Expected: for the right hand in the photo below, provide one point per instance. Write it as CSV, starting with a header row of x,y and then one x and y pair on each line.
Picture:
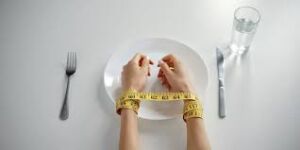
x,y
173,75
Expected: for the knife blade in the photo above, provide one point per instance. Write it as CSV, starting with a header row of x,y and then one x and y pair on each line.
x,y
220,69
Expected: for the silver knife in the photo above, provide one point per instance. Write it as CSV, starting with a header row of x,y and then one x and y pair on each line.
x,y
220,66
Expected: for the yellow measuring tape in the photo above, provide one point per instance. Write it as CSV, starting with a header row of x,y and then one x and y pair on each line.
x,y
131,100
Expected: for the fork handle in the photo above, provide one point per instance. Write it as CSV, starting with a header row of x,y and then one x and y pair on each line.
x,y
64,114
222,112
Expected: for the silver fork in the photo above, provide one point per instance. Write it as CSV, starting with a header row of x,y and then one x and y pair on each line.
x,y
70,70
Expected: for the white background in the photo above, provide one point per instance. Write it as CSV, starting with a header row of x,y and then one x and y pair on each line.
x,y
262,89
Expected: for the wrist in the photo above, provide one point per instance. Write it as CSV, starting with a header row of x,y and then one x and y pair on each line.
x,y
127,112
132,88
190,121
187,88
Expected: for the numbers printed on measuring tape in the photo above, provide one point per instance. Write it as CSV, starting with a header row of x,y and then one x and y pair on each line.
x,y
165,97
192,105
131,100
129,104
150,96
192,114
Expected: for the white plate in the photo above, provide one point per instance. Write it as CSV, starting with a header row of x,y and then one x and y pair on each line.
x,y
156,49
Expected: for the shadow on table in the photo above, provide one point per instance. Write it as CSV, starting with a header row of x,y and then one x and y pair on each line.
x,y
111,124
239,77
166,134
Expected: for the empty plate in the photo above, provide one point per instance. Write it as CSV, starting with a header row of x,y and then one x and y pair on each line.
x,y
156,48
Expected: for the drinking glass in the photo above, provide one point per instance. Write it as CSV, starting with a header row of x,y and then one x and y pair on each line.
x,y
245,23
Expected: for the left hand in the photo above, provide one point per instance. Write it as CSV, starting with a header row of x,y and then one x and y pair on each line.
x,y
136,72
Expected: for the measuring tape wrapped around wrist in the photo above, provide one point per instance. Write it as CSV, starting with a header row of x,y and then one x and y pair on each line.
x,y
131,99
192,109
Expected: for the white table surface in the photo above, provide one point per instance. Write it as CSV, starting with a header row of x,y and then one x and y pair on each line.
x,y
262,90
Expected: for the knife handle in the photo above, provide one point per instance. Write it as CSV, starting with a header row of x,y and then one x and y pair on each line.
x,y
222,112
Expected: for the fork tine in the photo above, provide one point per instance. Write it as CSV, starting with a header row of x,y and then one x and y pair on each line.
x,y
68,61
75,61
71,61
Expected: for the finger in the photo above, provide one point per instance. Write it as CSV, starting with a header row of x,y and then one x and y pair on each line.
x,y
145,62
165,68
169,58
161,78
169,87
165,84
170,64
137,58
160,73
165,79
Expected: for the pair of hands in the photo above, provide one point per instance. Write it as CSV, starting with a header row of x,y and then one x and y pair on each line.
x,y
172,74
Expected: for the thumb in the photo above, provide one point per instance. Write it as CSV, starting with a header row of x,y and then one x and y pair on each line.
x,y
165,68
145,62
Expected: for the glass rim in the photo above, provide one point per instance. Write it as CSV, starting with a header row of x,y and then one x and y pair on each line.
x,y
248,7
